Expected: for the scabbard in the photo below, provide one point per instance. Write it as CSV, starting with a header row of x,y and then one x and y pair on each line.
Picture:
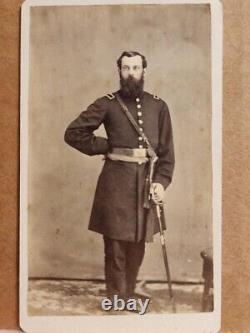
x,y
146,201
147,185
165,257
148,182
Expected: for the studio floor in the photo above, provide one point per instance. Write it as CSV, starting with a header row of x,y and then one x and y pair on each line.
x,y
71,297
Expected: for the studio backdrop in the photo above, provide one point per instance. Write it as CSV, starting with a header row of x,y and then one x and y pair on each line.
x,y
72,62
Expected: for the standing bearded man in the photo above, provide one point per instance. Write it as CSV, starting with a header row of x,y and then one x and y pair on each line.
x,y
120,211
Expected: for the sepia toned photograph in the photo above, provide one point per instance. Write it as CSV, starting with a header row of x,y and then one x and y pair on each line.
x,y
120,193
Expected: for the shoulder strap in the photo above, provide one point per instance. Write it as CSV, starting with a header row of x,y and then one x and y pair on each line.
x,y
133,122
110,96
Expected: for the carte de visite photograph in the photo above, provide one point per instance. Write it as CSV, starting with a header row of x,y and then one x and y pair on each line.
x,y
120,173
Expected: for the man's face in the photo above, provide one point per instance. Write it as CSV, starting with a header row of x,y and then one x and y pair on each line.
x,y
132,67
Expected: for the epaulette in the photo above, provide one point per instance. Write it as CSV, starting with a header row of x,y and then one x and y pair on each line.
x,y
156,97
110,96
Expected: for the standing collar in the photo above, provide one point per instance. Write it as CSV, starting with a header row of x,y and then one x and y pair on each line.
x,y
130,98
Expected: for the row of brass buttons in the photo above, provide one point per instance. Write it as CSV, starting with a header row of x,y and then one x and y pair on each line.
x,y
140,121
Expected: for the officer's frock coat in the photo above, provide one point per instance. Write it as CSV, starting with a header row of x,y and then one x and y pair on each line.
x,y
117,210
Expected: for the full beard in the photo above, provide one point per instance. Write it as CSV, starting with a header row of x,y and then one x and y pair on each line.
x,y
131,87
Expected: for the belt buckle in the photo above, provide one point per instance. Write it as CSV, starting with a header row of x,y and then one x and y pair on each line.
x,y
138,152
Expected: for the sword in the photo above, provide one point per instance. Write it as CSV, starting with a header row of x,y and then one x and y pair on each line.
x,y
165,257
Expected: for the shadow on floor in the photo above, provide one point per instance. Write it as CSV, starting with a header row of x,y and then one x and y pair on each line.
x,y
67,298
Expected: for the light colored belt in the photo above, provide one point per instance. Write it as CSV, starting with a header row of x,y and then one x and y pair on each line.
x,y
135,152
124,158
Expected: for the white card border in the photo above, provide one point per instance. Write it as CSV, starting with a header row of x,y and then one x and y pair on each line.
x,y
181,323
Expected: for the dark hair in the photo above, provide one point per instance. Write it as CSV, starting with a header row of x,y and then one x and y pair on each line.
x,y
131,54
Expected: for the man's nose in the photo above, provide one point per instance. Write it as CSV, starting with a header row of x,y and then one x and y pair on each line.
x,y
131,71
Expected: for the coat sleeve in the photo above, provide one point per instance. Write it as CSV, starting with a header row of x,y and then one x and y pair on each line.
x,y
79,134
165,165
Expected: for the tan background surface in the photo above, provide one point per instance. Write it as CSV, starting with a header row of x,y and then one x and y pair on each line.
x,y
236,161
73,62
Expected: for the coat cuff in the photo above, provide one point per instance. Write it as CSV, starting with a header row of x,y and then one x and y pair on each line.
x,y
164,181
100,145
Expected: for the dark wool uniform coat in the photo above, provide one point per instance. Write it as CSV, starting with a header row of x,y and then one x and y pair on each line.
x,y
117,210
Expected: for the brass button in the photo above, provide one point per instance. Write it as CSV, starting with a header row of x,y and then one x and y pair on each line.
x,y
140,129
138,106
140,146
140,138
137,99
140,163
139,113
140,121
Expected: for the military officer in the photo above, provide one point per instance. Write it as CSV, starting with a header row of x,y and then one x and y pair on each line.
x,y
118,212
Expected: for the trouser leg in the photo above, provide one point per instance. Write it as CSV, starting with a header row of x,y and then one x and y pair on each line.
x,y
115,260
134,257
122,262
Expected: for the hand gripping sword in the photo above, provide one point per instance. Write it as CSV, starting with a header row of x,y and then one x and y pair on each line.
x,y
164,252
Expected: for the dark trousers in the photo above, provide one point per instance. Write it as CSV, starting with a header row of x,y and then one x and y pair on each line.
x,y
122,262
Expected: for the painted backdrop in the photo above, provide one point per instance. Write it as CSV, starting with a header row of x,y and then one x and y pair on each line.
x,y
73,52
